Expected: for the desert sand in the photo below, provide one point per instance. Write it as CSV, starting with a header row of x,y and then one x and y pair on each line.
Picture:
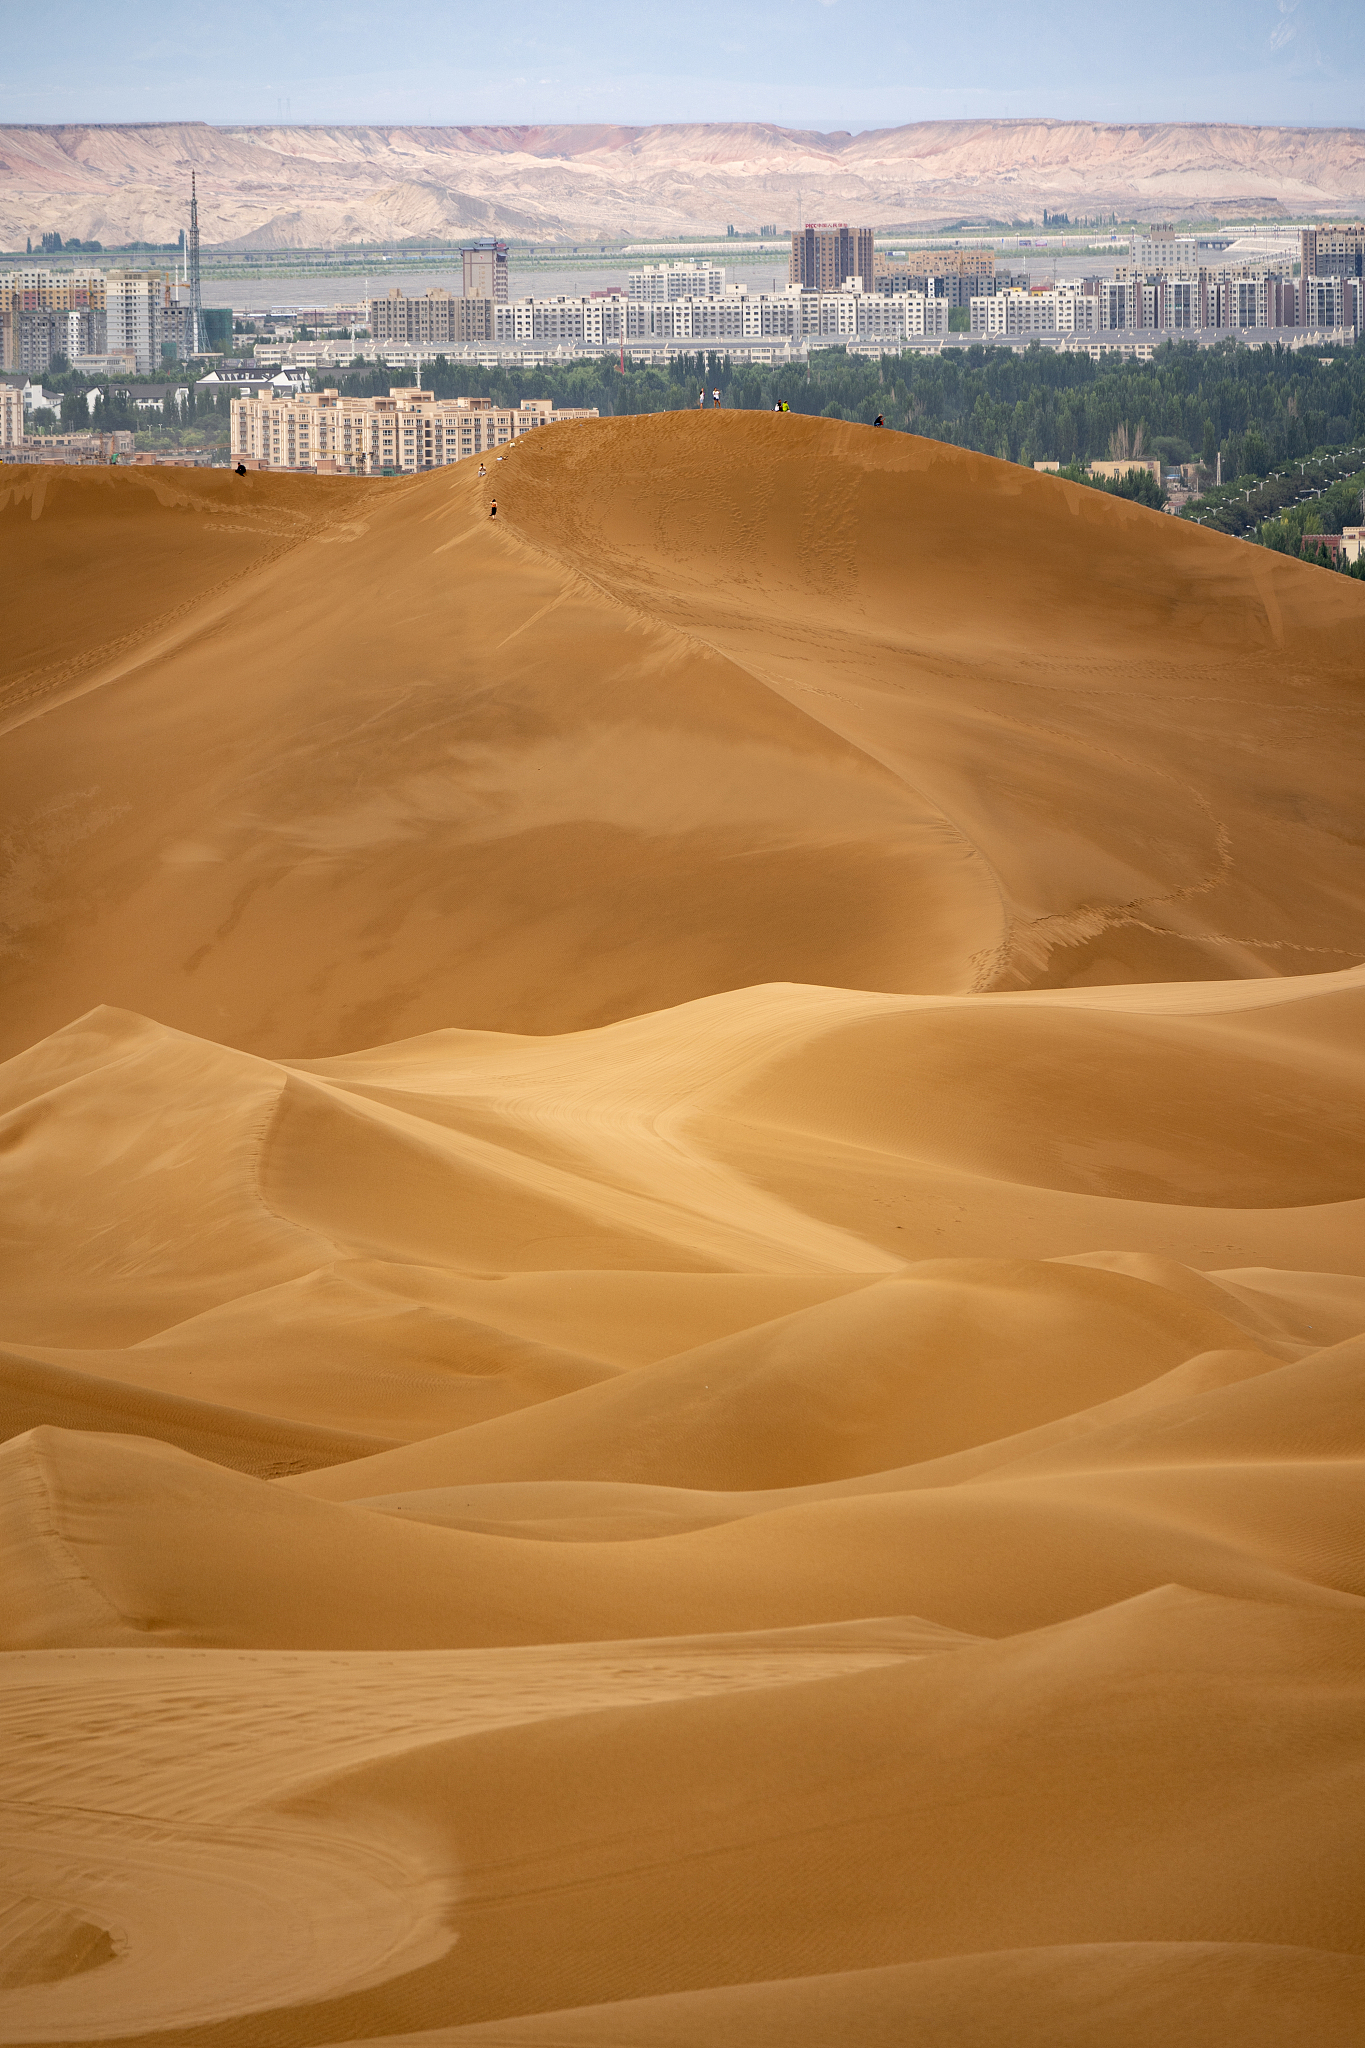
x,y
683,1248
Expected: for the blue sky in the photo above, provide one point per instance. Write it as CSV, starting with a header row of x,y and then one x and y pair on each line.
x,y
805,63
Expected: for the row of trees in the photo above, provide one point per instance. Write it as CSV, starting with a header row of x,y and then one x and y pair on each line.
x,y
103,406
1254,407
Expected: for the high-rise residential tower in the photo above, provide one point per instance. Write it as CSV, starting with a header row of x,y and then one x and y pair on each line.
x,y
485,271
824,253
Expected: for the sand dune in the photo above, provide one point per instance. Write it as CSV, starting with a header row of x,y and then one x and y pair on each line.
x,y
682,1258
1264,1995
721,700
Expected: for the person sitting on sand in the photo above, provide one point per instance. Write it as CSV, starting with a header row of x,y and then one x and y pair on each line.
x,y
482,470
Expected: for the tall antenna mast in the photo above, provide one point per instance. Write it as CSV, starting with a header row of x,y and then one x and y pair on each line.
x,y
196,290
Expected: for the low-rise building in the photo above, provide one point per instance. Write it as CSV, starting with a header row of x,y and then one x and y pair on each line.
x,y
1124,466
71,448
409,430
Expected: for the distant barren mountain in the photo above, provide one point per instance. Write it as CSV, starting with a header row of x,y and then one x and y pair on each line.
x,y
315,187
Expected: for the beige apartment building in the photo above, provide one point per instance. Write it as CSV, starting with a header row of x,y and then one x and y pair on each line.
x,y
409,430
893,273
11,415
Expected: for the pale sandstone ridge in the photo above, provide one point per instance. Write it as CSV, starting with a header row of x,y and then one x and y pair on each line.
x,y
682,1259
282,187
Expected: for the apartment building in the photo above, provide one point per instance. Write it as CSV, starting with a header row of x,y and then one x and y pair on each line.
x,y
485,270
136,303
32,337
1163,249
1061,309
437,319
586,322
825,253
44,313
409,430
1333,252
1336,300
736,315
957,275
909,316
656,282
11,415
608,321
1191,302
142,315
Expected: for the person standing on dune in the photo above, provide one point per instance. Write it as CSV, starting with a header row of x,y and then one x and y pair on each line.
x,y
493,509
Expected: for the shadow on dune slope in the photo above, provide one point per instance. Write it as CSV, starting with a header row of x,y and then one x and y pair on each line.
x,y
718,700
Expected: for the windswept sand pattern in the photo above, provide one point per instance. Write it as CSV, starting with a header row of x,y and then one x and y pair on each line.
x,y
682,1260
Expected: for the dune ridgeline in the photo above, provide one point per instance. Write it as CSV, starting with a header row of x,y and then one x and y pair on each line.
x,y
683,1251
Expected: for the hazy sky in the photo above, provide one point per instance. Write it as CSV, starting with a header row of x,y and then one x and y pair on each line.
x,y
804,63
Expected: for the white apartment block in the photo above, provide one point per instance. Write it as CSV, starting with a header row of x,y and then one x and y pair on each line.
x,y
135,308
736,315
1165,302
1332,302
409,430
661,281
581,323
1065,310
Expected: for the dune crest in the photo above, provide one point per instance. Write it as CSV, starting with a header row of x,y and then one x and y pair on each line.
x,y
682,1259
